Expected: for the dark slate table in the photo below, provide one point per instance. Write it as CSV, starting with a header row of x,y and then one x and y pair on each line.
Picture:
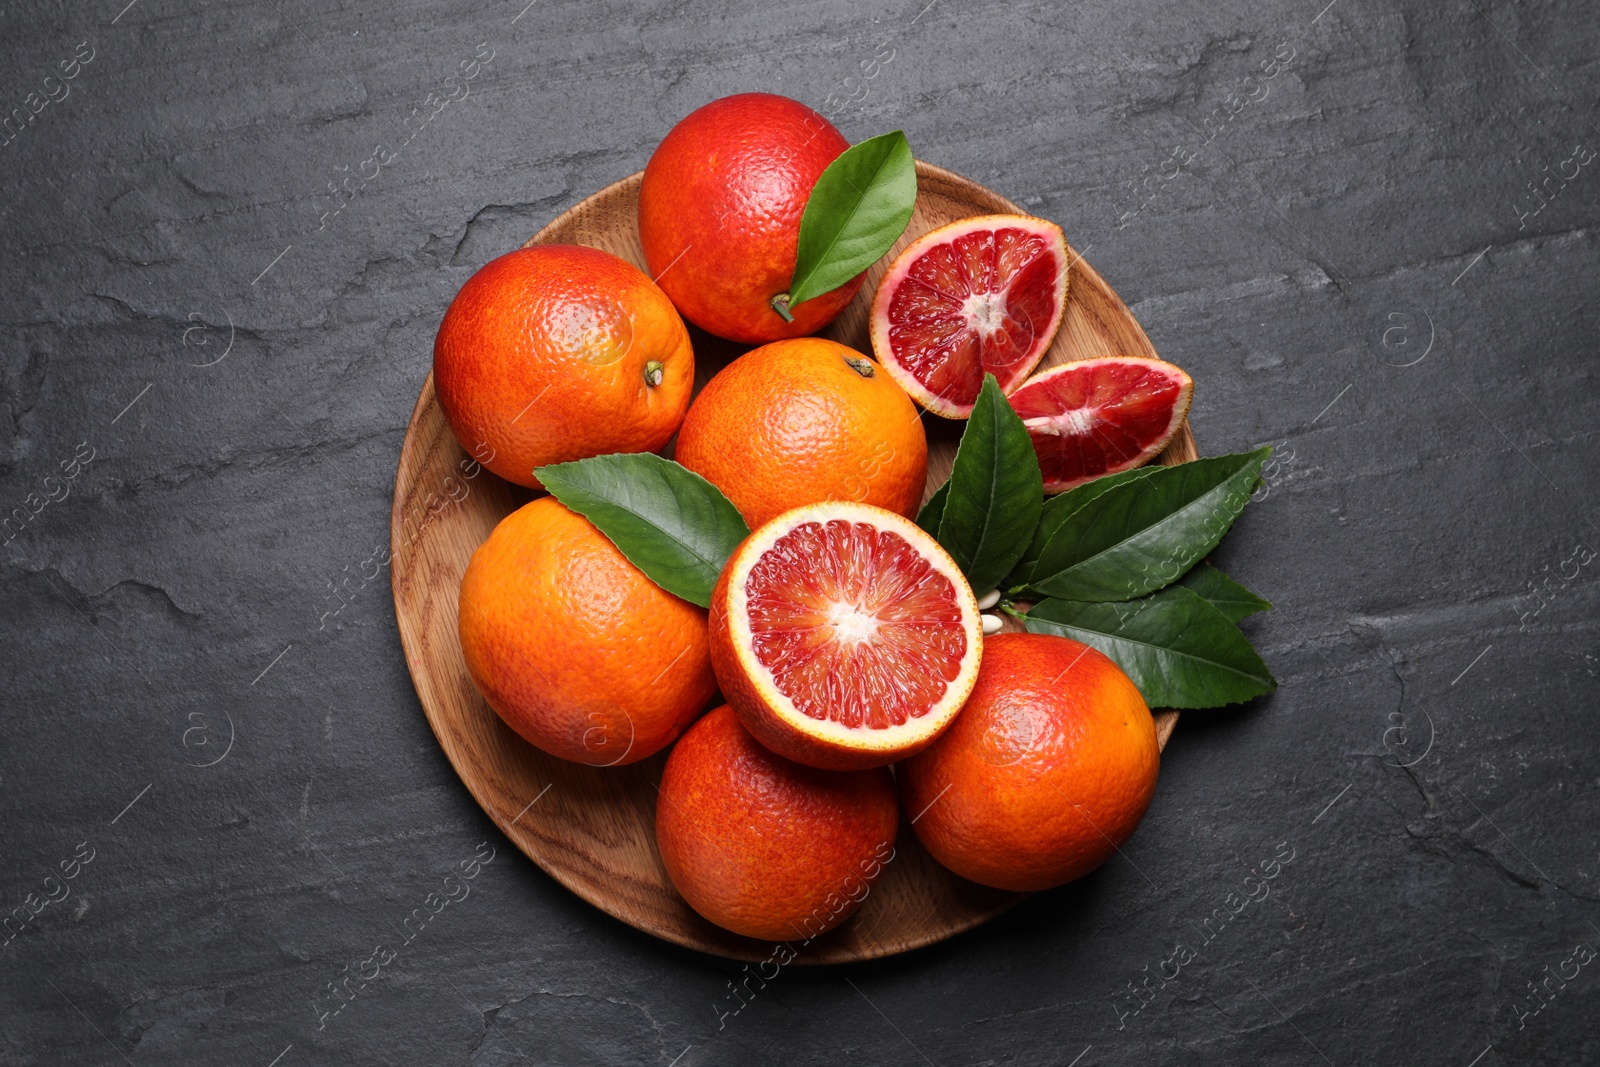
x,y
1366,229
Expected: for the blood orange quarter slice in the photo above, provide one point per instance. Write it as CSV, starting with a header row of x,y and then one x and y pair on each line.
x,y
982,295
1100,416
844,636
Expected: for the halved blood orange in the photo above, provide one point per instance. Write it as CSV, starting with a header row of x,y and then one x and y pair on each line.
x,y
844,636
1100,416
981,295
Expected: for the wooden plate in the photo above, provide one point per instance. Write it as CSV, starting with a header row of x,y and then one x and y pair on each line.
x,y
593,829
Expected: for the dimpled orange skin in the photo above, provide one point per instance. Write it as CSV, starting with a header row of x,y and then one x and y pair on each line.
x,y
574,647
544,354
1048,768
765,847
794,423
719,214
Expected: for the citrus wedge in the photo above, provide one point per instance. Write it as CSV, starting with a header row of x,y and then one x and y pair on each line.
x,y
1101,416
844,636
982,295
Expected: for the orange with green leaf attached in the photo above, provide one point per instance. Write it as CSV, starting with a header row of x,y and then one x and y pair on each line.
x,y
573,646
720,209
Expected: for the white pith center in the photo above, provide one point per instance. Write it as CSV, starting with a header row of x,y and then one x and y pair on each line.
x,y
1078,420
853,625
1072,423
985,312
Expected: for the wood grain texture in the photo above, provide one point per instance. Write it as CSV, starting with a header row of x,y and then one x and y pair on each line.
x,y
592,829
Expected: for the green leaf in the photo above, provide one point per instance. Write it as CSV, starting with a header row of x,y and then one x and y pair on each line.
x,y
671,523
1225,594
1143,534
1179,648
1056,511
995,492
857,210
933,511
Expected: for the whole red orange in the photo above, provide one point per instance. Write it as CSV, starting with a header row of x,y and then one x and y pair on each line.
x,y
573,646
559,352
765,847
1044,774
719,214
802,421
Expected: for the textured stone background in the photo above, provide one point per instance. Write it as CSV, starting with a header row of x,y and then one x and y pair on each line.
x,y
1354,266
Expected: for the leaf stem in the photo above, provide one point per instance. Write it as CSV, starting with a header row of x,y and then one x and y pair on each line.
x,y
780,304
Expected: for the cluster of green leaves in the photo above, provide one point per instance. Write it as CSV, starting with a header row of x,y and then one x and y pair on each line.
x,y
1116,563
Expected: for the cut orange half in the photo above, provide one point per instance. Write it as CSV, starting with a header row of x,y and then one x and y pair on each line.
x,y
980,296
844,636
1101,416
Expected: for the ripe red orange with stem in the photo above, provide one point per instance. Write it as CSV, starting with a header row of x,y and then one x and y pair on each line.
x,y
719,215
801,421
559,352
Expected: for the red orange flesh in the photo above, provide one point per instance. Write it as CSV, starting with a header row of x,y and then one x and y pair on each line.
x,y
844,636
980,295
1101,416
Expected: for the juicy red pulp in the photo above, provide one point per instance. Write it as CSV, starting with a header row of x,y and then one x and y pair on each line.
x,y
1097,420
855,624
978,303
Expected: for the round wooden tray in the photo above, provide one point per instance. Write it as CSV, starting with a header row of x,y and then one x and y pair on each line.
x,y
593,829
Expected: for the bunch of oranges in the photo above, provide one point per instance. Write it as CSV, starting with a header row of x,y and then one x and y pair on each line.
x,y
842,637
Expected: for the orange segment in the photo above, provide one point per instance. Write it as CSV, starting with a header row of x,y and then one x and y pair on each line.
x,y
844,636
980,296
1101,416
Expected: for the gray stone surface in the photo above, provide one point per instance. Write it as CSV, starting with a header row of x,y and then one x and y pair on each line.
x,y
1353,266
